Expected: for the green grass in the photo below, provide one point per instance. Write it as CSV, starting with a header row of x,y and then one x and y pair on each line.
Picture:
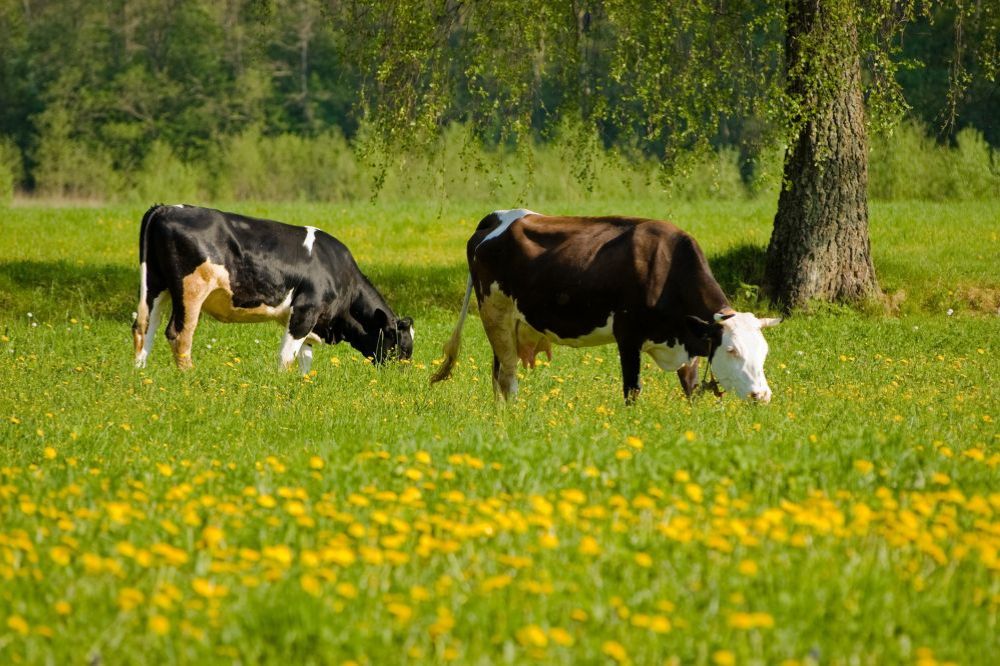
x,y
854,519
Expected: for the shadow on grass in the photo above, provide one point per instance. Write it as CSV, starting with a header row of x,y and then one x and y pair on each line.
x,y
53,290
740,272
412,291
61,289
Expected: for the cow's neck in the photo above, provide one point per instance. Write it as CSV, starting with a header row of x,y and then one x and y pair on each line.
x,y
366,305
707,300
360,326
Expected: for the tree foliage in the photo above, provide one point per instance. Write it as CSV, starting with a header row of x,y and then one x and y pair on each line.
x,y
119,77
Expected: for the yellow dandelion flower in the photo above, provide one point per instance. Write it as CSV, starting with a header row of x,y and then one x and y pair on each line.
x,y
747,567
690,436
159,625
208,589
347,590
723,658
311,585
643,560
165,469
49,453
940,479
532,636
62,607
129,598
660,624
61,555
615,650
560,636
401,612
634,442
623,454
863,466
589,546
280,553
18,625
548,540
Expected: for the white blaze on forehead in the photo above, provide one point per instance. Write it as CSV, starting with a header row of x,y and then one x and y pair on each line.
x,y
310,238
507,218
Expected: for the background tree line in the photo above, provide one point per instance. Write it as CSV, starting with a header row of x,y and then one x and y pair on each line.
x,y
268,99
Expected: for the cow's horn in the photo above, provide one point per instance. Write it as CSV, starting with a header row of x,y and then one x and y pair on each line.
x,y
721,317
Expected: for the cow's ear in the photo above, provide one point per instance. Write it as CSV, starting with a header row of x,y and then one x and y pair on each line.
x,y
404,323
769,321
381,318
700,328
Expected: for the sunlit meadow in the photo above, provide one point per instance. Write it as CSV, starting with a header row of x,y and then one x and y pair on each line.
x,y
358,515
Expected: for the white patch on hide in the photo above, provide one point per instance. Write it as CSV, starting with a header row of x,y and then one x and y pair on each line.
x,y
310,239
668,358
507,218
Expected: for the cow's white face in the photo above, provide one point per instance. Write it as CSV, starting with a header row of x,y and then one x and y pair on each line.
x,y
739,362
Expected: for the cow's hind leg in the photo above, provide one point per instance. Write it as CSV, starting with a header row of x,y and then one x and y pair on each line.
x,y
497,313
144,329
187,299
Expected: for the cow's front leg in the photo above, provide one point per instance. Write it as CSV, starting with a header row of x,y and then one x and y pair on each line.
x,y
300,325
688,374
628,353
305,358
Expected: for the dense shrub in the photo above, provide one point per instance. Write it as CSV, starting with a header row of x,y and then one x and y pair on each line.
x,y
68,168
908,164
570,166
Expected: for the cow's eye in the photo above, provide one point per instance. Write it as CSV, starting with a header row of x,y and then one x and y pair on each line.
x,y
732,351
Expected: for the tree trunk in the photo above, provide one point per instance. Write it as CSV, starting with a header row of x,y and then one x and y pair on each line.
x,y
819,248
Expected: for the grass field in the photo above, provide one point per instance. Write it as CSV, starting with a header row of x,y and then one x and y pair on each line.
x,y
234,513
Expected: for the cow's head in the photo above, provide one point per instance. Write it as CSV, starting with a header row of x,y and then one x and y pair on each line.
x,y
395,337
738,351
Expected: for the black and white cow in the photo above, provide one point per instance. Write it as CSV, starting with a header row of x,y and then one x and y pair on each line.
x,y
242,269
641,284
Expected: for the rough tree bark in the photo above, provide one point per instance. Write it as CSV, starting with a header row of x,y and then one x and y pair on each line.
x,y
819,247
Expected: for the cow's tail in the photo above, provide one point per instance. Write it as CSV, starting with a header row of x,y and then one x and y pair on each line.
x,y
141,323
455,341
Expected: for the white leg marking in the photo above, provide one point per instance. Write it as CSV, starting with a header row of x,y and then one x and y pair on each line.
x,y
154,323
305,358
310,239
142,283
289,350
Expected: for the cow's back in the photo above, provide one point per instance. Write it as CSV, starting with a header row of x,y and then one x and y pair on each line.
x,y
602,258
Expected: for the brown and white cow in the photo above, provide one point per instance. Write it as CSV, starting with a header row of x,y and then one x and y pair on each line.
x,y
244,269
642,284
